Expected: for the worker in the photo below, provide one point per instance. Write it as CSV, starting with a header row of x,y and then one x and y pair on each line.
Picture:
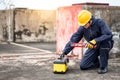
x,y
96,33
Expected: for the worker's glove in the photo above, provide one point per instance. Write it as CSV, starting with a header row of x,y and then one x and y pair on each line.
x,y
62,55
91,44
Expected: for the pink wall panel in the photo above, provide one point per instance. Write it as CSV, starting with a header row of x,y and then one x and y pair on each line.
x,y
66,25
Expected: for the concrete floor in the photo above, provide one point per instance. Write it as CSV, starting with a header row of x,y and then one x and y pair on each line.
x,y
33,64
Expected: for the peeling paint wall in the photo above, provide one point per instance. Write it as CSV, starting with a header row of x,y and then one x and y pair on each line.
x,y
66,25
114,23
4,19
28,25
40,25
35,25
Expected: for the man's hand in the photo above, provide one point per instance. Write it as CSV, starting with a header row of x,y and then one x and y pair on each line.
x,y
91,44
62,55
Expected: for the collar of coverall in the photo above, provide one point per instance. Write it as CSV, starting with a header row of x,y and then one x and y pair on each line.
x,y
93,20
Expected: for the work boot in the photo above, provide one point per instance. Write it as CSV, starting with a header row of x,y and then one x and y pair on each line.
x,y
102,71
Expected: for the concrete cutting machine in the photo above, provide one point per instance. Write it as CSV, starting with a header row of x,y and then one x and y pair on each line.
x,y
60,65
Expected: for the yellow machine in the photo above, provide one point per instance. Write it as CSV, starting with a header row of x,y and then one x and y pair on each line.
x,y
60,66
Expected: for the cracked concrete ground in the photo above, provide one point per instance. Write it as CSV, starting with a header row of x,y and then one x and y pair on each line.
x,y
39,66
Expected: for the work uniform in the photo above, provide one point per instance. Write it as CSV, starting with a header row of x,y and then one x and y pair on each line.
x,y
99,32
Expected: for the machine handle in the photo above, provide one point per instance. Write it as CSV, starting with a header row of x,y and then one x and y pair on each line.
x,y
82,45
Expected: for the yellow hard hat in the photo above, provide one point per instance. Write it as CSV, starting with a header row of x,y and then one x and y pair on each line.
x,y
83,17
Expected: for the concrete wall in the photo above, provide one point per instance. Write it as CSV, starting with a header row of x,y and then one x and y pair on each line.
x,y
40,25
66,25
35,25
114,23
4,20
28,25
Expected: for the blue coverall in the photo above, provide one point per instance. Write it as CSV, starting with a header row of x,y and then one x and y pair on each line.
x,y
100,32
